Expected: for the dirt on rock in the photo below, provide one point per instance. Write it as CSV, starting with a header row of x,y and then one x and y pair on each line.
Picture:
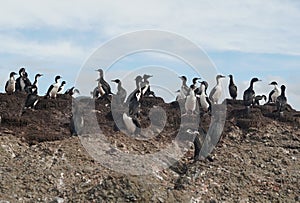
x,y
257,158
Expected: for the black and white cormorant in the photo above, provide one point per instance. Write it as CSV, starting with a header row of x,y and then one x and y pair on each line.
x,y
10,86
20,81
274,93
28,86
121,94
184,90
134,104
104,84
191,101
258,98
145,86
281,101
27,83
197,89
32,98
138,81
232,88
216,92
72,91
205,103
61,87
53,89
249,95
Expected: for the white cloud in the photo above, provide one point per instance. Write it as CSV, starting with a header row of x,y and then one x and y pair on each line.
x,y
11,45
248,26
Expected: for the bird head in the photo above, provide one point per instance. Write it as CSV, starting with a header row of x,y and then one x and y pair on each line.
x,y
63,83
183,78
283,88
38,75
230,76
220,76
116,81
273,83
255,80
57,78
12,74
22,71
195,80
138,78
145,76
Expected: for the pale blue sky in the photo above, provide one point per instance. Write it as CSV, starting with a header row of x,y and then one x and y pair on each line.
x,y
243,38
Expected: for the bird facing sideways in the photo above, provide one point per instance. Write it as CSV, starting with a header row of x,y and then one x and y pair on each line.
x,y
249,94
216,92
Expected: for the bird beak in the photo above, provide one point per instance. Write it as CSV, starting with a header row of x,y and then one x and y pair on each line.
x,y
113,80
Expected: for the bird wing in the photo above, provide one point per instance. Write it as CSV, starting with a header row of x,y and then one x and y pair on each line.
x,y
18,86
6,85
105,86
49,90
212,92
233,90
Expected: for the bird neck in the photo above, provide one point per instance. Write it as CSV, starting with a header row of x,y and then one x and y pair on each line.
x,y
251,85
231,81
218,81
283,93
35,81
119,85
137,84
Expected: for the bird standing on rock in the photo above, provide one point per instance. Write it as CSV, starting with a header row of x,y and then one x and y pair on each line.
x,y
138,81
32,98
145,85
232,88
191,101
104,84
274,93
121,94
216,92
35,83
249,95
10,85
184,90
53,89
281,101
20,81
204,100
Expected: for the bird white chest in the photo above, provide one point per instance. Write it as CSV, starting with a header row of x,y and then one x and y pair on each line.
x,y
54,90
190,103
203,102
22,84
275,94
216,93
11,87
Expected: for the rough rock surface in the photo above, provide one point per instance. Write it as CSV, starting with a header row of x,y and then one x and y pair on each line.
x,y
256,160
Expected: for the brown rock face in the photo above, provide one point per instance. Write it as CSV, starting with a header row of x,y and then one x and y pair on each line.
x,y
257,158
